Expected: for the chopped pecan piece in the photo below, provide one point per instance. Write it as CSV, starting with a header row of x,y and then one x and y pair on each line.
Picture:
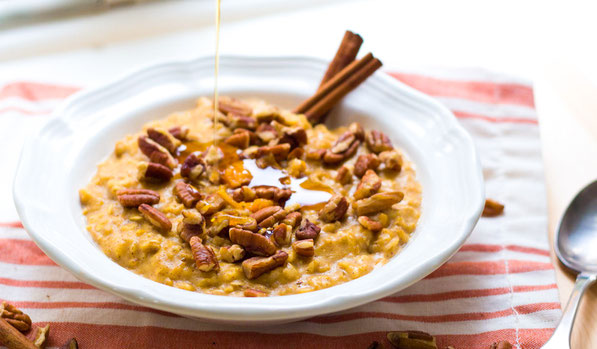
x,y
164,138
229,105
369,185
391,159
254,267
244,194
239,139
179,132
251,292
501,345
370,224
412,339
296,153
205,258
293,219
492,208
235,121
155,152
366,162
187,194
192,167
193,224
334,209
357,130
155,217
304,247
378,142
345,147
266,132
344,175
71,344
268,216
252,242
136,197
232,253
315,154
377,202
154,172
279,195
282,234
212,204
15,317
308,231
295,136
279,151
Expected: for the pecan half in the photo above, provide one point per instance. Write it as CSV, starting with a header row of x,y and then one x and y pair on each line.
x,y
211,204
501,345
412,339
377,202
239,139
279,151
344,175
164,138
154,173
155,152
282,234
369,185
334,209
391,159
366,162
308,231
268,216
370,224
193,224
228,105
293,219
205,258
492,208
192,167
252,242
187,194
279,195
251,292
378,142
15,317
155,217
345,147
256,266
136,197
179,132
304,247
232,253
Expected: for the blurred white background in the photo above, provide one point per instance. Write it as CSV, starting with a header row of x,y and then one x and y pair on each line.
x,y
512,36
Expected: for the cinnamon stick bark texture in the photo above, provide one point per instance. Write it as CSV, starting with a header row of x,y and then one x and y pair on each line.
x,y
339,86
346,54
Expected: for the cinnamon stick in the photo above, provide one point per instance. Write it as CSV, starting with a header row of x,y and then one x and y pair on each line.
x,y
346,54
334,90
333,83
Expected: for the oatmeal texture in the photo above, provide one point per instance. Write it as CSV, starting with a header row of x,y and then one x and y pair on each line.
x,y
265,212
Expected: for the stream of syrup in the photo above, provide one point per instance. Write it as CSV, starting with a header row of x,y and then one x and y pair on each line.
x,y
305,192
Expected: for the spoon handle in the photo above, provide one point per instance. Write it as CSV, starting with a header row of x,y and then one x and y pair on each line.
x,y
561,336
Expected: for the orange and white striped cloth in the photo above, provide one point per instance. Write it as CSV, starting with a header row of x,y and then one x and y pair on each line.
x,y
499,286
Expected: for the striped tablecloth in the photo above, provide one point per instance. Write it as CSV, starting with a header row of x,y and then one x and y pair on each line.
x,y
500,285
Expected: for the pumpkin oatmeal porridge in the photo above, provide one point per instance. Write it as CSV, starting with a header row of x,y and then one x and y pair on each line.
x,y
261,204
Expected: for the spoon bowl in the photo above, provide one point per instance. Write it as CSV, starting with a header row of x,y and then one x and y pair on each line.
x,y
576,242
577,235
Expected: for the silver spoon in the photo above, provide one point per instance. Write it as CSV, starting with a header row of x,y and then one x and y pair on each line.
x,y
576,247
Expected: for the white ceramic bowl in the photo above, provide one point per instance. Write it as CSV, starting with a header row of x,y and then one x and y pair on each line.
x,y
62,157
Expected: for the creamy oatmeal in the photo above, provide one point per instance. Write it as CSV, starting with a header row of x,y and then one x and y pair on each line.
x,y
276,207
